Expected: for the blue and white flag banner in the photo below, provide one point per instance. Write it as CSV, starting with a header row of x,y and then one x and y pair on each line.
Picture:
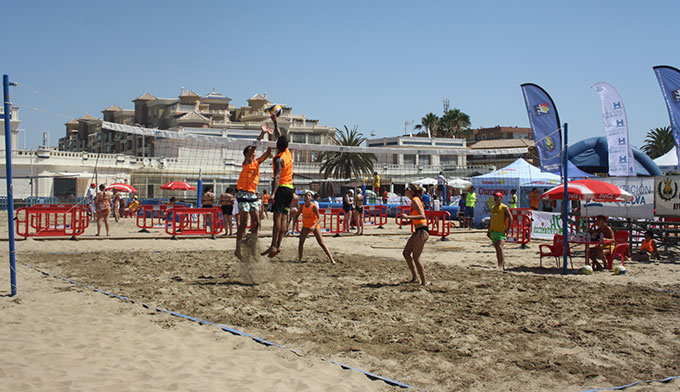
x,y
621,163
669,80
545,125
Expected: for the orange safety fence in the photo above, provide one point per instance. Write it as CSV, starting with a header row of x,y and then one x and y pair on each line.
x,y
151,217
520,231
52,220
375,214
330,221
194,221
397,215
437,223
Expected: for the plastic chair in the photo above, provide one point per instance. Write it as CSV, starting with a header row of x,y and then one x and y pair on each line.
x,y
555,250
621,250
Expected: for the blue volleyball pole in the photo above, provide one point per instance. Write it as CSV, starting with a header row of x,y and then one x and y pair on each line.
x,y
10,192
565,202
199,189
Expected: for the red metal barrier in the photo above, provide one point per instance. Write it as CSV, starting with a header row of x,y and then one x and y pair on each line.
x,y
151,217
375,215
194,221
437,223
397,215
52,220
520,231
330,221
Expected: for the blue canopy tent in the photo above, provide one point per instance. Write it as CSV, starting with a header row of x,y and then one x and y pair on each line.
x,y
505,179
591,155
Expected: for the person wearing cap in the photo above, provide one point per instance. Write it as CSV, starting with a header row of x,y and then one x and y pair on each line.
x,y
89,199
499,225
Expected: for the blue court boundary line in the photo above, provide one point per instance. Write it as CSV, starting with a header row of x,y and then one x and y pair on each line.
x,y
225,328
663,380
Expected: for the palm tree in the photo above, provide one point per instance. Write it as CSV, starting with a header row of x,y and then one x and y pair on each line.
x,y
658,142
430,123
347,164
454,123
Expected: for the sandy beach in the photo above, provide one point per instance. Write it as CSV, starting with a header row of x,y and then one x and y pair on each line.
x,y
474,328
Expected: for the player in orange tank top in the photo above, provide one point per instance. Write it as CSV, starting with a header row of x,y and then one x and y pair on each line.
x,y
282,194
414,245
246,196
310,224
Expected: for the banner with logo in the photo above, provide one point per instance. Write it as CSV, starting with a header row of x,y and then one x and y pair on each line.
x,y
642,205
666,195
669,80
621,161
545,125
545,224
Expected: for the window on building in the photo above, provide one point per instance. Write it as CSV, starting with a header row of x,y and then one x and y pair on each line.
x,y
448,160
315,139
298,138
425,160
409,159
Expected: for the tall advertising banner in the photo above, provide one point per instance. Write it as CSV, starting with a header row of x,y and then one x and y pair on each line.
x,y
621,163
545,125
669,80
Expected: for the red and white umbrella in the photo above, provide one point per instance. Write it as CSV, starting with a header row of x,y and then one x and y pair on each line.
x,y
122,188
178,186
589,190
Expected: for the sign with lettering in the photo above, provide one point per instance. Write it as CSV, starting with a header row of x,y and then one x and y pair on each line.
x,y
666,195
545,224
642,205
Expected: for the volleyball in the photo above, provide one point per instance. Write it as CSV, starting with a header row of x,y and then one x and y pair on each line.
x,y
619,270
275,110
587,270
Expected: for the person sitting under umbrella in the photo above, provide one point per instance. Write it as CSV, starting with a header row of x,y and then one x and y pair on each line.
x,y
599,231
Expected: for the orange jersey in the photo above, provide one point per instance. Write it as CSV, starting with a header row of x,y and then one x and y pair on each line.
x,y
309,218
417,222
265,198
287,169
249,177
648,246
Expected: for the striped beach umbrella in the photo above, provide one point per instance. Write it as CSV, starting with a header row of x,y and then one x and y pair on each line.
x,y
589,190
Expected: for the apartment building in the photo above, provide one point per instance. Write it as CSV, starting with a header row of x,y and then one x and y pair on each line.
x,y
190,113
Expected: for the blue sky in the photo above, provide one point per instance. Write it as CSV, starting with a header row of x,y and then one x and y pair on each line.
x,y
374,64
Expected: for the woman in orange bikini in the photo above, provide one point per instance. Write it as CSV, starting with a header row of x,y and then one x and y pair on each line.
x,y
414,245
310,223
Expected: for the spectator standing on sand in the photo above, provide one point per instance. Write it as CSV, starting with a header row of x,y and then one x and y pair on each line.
x,y
227,206
90,195
103,204
470,201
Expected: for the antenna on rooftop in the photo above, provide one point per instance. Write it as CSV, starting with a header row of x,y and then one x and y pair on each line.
x,y
406,124
447,105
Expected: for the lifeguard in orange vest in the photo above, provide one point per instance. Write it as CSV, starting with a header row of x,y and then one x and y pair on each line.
x,y
246,195
310,224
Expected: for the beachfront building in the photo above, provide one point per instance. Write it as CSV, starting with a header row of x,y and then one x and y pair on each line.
x,y
408,167
502,138
190,113
13,126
